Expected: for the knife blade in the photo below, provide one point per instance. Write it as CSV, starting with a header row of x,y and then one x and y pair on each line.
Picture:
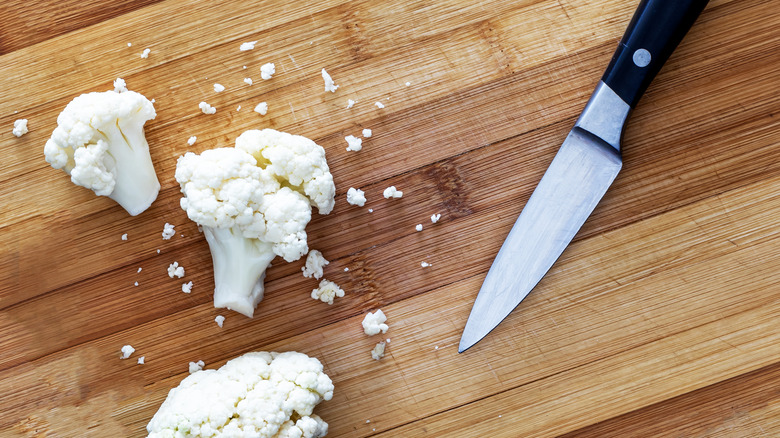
x,y
585,166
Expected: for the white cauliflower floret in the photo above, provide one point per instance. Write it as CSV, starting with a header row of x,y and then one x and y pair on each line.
x,y
263,395
314,264
251,210
378,351
327,292
99,141
373,323
356,197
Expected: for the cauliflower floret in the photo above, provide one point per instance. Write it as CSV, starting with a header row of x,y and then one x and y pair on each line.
x,y
20,127
264,395
356,197
314,264
267,71
329,84
327,292
353,143
373,323
392,192
99,141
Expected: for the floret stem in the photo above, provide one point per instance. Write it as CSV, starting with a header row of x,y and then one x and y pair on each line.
x,y
239,268
137,185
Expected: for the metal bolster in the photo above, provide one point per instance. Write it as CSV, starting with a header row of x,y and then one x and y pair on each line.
x,y
605,115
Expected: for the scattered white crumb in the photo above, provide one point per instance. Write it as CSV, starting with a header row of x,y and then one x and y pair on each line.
x,y
244,67
158,251
20,127
218,88
135,284
191,141
129,44
379,351
392,192
408,83
367,133
153,101
350,103
435,217
139,270
127,350
145,53
238,108
186,287
262,108
370,210
379,105
387,340
356,197
346,269
168,229
120,85
327,292
353,143
267,71
425,264
124,236
314,264
175,270
247,46
219,320
499,416
206,108
436,347
329,85
368,421
196,366
141,360
373,323
418,227
248,81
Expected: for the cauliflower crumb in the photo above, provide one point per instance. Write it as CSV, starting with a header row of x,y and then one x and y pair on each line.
x,y
350,103
196,366
186,287
141,360
379,105
191,141
373,323
168,230
392,192
267,71
129,44
367,133
247,46
135,284
370,210
120,85
379,351
353,143
175,270
314,264
248,81
327,292
127,350
262,108
20,127
219,320
425,264
218,88
356,197
346,269
139,270
329,85
145,53
206,108
158,251
435,218
418,227
124,236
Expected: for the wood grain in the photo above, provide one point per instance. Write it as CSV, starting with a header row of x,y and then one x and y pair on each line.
x,y
659,320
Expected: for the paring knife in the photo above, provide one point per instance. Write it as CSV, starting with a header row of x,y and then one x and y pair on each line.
x,y
584,167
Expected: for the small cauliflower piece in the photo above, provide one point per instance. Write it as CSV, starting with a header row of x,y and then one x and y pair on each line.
x,y
191,141
435,217
120,85
186,287
124,236
367,133
194,367
220,320
314,264
253,203
354,143
379,351
218,88
20,127
392,192
247,46
425,264
247,81
168,232
267,71
379,105
327,292
127,350
350,103
261,395
141,360
145,53
99,141
418,227
206,108
262,108
175,270
374,323
356,197
329,84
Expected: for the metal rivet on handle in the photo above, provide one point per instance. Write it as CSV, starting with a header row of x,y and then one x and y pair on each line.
x,y
641,58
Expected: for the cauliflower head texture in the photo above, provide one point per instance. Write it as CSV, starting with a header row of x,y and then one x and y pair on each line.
x,y
259,395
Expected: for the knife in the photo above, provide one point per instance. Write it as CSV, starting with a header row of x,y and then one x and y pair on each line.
x,y
584,167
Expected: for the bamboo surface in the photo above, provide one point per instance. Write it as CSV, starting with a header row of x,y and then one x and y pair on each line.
x,y
660,319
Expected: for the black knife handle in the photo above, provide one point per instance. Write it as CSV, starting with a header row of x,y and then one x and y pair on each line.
x,y
654,32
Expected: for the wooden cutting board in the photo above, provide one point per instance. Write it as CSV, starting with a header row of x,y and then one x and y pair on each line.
x,y
661,319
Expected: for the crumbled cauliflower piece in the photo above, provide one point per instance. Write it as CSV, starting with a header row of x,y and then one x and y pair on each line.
x,y
379,105
327,292
135,284
314,264
141,360
262,108
435,217
267,71
379,351
367,133
20,127
139,270
168,232
206,108
175,270
247,46
248,81
392,192
350,103
260,395
220,320
129,44
124,236
425,264
120,85
418,227
191,141
356,197
145,53
186,287
374,323
329,85
353,143
218,88
127,350
196,366
408,83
